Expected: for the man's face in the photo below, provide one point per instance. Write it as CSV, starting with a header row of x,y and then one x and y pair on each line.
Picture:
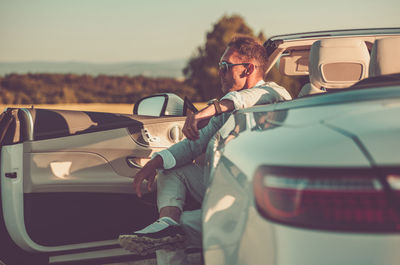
x,y
234,78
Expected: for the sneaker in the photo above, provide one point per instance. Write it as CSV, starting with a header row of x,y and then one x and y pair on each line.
x,y
164,233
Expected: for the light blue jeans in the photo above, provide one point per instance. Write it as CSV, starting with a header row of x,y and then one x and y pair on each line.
x,y
172,187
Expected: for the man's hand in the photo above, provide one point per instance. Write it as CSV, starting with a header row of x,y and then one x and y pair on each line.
x,y
190,129
148,172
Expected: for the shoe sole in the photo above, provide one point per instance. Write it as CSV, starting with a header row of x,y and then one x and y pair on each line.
x,y
142,245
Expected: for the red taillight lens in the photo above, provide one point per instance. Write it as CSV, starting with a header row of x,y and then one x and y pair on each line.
x,y
350,200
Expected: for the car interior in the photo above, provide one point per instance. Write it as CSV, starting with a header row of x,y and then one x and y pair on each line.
x,y
335,63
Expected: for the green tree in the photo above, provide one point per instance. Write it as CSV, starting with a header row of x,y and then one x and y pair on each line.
x,y
201,71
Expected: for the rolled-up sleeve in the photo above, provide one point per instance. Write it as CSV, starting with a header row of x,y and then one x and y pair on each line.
x,y
168,159
236,98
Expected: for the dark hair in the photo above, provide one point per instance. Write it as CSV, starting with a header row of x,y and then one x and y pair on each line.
x,y
249,48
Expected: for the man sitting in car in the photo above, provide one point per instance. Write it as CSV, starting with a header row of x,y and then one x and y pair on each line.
x,y
241,70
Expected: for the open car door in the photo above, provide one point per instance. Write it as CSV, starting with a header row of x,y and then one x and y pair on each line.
x,y
66,179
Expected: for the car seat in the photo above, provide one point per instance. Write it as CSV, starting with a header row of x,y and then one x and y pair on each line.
x,y
336,64
385,57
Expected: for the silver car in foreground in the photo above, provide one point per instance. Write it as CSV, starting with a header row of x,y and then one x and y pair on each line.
x,y
315,180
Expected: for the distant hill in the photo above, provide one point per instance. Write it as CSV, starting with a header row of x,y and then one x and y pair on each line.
x,y
151,69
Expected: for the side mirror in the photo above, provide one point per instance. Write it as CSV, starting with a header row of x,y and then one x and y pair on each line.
x,y
158,105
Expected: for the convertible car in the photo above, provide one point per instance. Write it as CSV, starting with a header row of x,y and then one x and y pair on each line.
x,y
313,180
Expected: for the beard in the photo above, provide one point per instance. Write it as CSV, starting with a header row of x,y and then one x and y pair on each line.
x,y
229,86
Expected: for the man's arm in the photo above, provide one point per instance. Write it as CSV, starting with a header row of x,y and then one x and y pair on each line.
x,y
192,123
235,100
148,172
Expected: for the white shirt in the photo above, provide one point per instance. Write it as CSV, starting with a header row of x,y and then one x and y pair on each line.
x,y
186,150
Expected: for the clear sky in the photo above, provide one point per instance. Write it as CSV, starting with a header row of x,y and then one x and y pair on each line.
x,y
158,30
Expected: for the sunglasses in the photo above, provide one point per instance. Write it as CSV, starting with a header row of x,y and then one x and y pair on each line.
x,y
224,66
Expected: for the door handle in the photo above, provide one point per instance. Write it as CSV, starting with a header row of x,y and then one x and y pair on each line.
x,y
133,163
148,137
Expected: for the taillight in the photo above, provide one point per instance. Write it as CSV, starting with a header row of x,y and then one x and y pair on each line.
x,y
348,200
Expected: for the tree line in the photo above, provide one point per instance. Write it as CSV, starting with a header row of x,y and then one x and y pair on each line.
x,y
72,88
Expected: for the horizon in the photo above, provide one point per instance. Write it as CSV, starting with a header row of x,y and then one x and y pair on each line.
x,y
172,68
88,62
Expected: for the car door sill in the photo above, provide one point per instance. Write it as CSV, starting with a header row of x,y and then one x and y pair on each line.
x,y
101,254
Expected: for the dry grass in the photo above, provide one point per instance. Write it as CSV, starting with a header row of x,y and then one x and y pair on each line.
x,y
97,107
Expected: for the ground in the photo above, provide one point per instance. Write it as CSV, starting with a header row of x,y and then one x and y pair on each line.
x,y
194,259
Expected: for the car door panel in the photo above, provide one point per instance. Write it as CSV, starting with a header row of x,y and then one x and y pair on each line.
x,y
74,176
94,162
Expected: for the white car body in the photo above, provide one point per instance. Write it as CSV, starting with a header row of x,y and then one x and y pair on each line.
x,y
356,131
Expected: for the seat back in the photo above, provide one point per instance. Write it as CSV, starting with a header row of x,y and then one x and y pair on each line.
x,y
385,57
338,63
